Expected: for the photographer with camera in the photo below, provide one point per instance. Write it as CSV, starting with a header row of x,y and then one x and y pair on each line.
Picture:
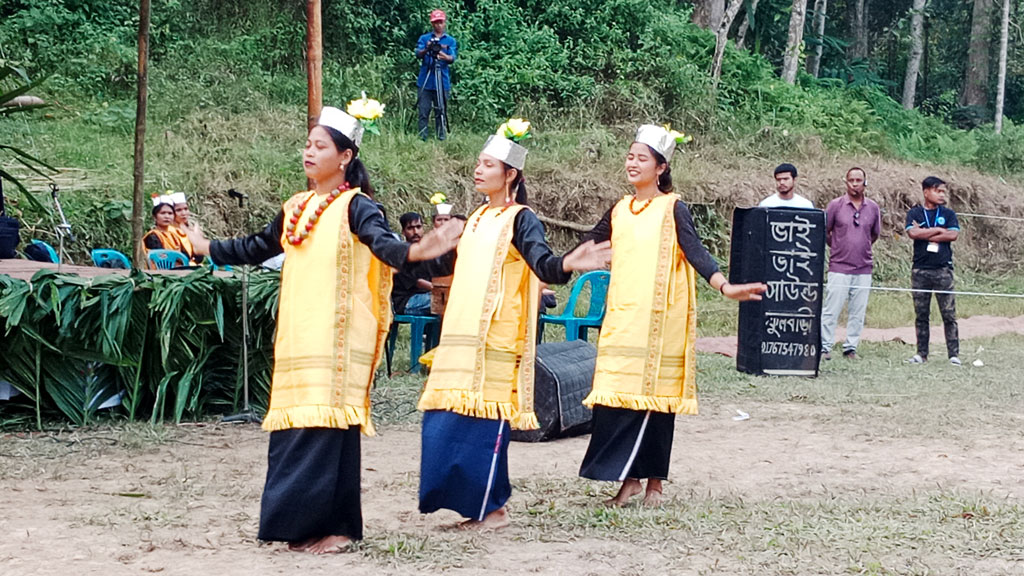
x,y
437,50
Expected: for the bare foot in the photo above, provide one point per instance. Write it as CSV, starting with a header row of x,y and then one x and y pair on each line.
x,y
494,521
301,545
330,545
631,487
653,495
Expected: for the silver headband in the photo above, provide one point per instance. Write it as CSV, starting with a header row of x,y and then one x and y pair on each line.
x,y
657,138
505,150
342,122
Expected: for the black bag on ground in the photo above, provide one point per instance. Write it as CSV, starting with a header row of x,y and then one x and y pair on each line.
x,y
563,376
10,237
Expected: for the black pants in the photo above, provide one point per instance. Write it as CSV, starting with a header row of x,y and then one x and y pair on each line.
x,y
426,100
937,279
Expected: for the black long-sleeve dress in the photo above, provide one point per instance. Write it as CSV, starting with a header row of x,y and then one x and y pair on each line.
x,y
313,474
632,443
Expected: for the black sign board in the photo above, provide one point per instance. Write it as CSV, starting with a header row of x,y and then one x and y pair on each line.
x,y
785,249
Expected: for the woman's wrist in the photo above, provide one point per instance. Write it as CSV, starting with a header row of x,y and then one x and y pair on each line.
x,y
721,288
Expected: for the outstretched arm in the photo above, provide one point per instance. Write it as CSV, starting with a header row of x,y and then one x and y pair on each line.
x,y
529,239
251,249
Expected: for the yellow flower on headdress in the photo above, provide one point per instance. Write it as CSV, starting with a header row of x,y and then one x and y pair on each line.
x,y
515,129
367,111
438,198
678,136
365,108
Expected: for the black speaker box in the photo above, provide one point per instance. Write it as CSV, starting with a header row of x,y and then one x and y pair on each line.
x,y
563,376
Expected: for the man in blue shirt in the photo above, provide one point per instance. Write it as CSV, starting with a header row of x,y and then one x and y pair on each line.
x,y
437,50
932,226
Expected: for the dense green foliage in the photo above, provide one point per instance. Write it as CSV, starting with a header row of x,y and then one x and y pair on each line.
x,y
227,97
566,62
172,345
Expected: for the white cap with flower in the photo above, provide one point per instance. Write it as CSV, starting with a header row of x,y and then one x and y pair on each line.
x,y
662,139
504,144
176,197
440,202
159,199
361,116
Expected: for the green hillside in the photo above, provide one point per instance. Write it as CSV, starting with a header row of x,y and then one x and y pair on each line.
x,y
227,110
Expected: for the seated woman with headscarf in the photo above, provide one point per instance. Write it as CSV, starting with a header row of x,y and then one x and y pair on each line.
x,y
163,236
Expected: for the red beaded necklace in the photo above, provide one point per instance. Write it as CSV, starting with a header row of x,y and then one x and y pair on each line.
x,y
297,239
642,208
481,214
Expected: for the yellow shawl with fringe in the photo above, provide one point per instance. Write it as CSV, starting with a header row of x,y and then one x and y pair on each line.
x,y
483,366
646,358
333,317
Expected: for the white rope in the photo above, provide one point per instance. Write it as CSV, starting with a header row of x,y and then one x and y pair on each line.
x,y
954,292
990,216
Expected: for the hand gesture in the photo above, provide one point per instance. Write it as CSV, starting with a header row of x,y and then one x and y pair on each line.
x,y
744,292
200,245
588,256
438,241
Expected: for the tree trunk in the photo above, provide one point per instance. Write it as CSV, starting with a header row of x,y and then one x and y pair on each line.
x,y
916,49
1004,34
814,58
138,169
721,37
314,63
708,13
859,27
751,14
976,76
791,59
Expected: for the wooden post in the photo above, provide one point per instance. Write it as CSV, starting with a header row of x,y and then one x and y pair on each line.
x,y
314,63
138,208
314,68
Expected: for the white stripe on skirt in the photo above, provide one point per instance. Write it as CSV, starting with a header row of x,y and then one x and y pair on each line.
x,y
636,447
490,475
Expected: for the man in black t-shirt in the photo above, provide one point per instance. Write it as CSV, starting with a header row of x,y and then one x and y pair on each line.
x,y
933,227
411,294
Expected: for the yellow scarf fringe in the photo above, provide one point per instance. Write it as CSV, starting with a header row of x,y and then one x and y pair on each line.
x,y
642,403
319,417
469,403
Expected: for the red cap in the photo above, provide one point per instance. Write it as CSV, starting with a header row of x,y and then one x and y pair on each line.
x,y
437,16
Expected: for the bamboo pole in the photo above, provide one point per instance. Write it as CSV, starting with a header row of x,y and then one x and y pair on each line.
x,y
314,63
138,171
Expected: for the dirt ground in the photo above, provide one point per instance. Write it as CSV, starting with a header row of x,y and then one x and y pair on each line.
x,y
185,500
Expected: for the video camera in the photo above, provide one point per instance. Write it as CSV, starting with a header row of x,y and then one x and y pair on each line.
x,y
434,46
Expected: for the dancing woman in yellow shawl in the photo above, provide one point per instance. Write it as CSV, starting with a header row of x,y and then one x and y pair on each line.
x,y
646,362
333,315
481,377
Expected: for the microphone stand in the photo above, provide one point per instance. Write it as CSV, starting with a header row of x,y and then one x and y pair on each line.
x,y
246,416
63,229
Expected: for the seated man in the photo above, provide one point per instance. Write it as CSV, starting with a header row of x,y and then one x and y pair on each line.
x,y
411,294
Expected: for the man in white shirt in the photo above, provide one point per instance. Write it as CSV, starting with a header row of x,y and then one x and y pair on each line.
x,y
785,196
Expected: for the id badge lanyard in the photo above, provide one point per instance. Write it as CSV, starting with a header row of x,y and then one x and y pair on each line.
x,y
933,246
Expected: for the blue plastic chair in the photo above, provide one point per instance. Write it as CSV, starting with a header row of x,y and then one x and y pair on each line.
x,y
576,327
106,258
49,250
167,259
419,326
214,266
